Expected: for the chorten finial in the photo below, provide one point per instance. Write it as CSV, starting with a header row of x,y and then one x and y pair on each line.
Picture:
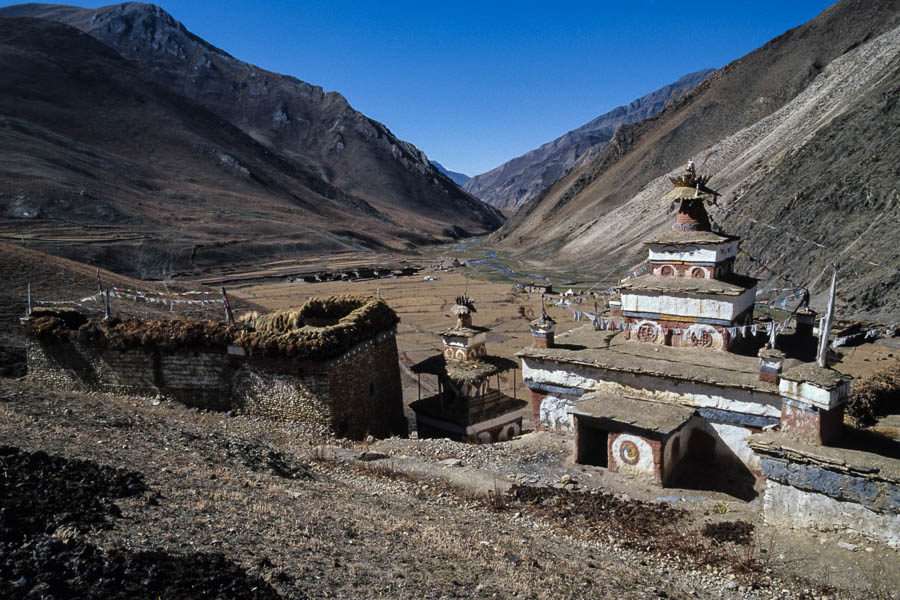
x,y
463,310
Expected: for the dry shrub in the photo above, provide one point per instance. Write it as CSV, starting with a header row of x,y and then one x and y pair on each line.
x,y
873,396
737,532
122,334
131,333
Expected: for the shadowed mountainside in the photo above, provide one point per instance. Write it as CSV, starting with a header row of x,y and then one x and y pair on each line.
x,y
800,135
513,183
95,138
116,169
300,121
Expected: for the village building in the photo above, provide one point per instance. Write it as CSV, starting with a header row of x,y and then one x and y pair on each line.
x,y
469,405
538,288
332,363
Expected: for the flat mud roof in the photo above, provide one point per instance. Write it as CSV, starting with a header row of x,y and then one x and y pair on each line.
x,y
610,351
638,413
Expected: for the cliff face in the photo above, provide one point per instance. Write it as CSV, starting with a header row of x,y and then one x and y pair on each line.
x,y
515,182
801,138
316,130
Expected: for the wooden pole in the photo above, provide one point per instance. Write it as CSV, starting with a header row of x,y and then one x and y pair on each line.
x,y
826,323
228,314
99,285
106,311
28,305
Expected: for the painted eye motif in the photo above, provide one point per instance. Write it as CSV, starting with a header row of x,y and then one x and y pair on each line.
x,y
629,453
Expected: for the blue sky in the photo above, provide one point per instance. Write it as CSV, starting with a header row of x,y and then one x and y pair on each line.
x,y
474,84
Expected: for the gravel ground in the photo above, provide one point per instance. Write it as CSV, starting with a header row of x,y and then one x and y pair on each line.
x,y
261,508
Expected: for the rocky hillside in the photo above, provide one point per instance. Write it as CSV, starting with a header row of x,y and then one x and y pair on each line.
x,y
316,131
801,137
515,182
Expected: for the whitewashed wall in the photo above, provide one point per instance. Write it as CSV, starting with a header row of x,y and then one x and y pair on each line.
x,y
725,308
689,393
706,253
644,466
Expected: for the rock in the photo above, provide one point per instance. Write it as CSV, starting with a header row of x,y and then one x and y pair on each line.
x,y
370,456
451,462
846,546
731,585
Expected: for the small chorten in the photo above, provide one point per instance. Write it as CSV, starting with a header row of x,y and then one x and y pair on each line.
x,y
464,341
543,329
467,406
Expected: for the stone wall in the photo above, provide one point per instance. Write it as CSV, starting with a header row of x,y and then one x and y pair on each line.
x,y
200,378
365,390
801,492
283,397
353,395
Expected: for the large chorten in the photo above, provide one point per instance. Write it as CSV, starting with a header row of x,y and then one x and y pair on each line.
x,y
692,296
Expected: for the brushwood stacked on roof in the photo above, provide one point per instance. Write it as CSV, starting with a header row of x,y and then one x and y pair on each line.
x,y
322,328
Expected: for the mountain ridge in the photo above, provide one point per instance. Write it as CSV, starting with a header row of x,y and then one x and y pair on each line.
x,y
318,130
516,181
101,164
458,178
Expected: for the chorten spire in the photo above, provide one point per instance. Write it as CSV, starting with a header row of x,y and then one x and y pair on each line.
x,y
691,192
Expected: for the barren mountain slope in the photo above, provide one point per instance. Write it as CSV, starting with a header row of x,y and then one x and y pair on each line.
x,y
315,129
104,164
597,215
515,182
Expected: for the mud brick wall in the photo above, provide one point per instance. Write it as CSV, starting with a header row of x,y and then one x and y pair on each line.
x,y
536,399
84,369
201,379
365,391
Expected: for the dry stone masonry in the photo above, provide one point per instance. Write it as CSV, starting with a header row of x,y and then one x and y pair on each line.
x,y
341,373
